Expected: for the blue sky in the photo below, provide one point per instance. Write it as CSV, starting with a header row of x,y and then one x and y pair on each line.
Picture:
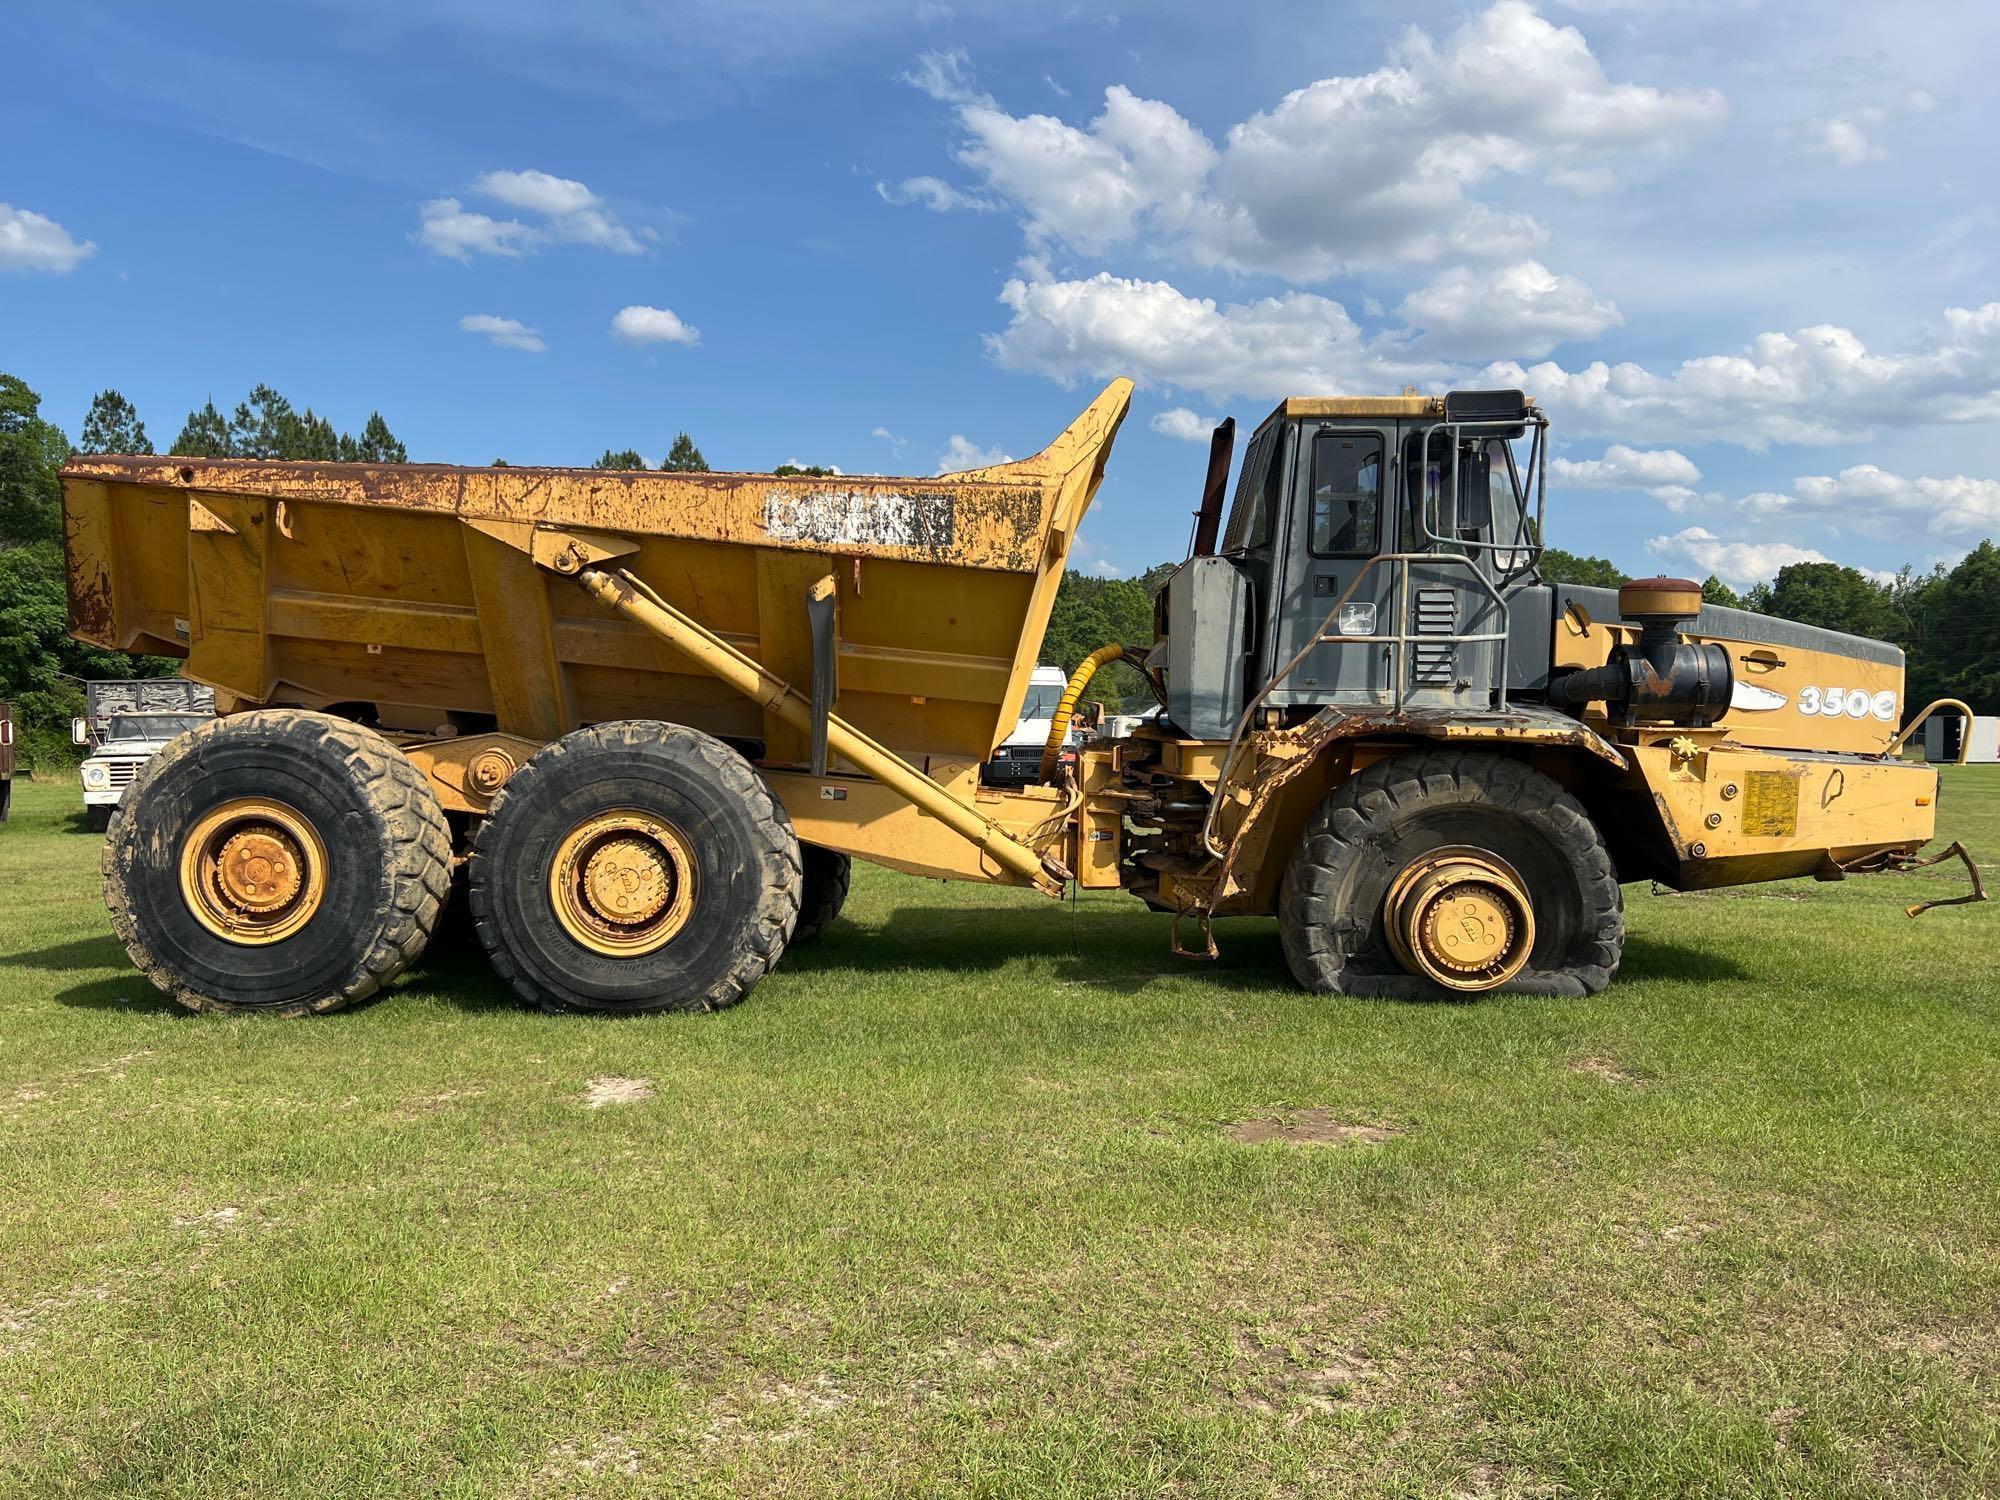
x,y
1743,252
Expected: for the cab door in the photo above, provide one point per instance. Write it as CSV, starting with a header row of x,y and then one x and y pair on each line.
x,y
1342,513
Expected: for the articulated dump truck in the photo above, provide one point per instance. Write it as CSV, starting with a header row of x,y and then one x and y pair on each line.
x,y
649,718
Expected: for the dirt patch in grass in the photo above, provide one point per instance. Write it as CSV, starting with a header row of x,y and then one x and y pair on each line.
x,y
1309,1127
1596,1065
1301,1376
605,1091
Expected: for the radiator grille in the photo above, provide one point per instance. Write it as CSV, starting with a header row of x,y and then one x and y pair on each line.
x,y
1437,614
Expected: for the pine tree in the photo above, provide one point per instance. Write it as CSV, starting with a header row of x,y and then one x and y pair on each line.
x,y
623,458
263,425
377,444
205,435
684,457
113,426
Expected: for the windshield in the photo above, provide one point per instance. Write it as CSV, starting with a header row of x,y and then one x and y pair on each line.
x,y
152,726
1041,701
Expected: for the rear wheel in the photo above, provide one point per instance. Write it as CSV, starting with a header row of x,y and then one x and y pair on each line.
x,y
1441,874
824,893
632,867
276,861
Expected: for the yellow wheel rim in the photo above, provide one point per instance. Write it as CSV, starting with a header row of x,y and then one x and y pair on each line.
x,y
253,871
623,882
1461,918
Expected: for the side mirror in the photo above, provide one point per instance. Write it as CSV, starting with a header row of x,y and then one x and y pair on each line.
x,y
1475,483
79,731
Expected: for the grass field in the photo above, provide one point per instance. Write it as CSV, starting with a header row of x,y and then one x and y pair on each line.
x,y
957,1204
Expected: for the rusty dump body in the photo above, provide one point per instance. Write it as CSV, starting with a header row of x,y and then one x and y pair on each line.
x,y
412,589
575,683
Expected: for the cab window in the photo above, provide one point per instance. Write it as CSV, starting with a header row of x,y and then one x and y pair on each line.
x,y
1256,487
1347,475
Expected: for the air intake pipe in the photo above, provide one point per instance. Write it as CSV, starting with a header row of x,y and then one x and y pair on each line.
x,y
1660,676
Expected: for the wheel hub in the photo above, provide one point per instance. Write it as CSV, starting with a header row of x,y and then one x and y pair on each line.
x,y
1462,918
626,880
253,870
623,882
260,869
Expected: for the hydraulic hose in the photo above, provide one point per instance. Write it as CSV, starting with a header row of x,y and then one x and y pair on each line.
x,y
1066,709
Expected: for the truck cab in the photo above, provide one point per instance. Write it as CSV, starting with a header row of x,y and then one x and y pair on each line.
x,y
128,742
1412,513
1018,760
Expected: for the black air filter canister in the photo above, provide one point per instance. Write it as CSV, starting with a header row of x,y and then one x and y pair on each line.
x,y
1660,676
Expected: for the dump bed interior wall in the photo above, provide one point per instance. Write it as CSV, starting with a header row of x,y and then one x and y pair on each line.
x,y
411,588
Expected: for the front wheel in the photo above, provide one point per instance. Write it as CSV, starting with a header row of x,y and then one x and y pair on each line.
x,y
635,866
1437,874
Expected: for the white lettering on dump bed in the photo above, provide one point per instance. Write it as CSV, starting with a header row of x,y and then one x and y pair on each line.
x,y
883,518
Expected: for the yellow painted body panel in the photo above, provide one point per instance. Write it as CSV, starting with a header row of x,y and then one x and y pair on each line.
x,y
1735,816
412,587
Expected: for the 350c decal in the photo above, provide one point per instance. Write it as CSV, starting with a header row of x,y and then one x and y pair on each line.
x,y
1854,703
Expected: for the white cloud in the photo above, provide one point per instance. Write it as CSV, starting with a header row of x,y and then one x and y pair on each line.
x,y
1525,307
1855,136
946,76
1277,346
1184,423
1738,563
1624,468
1663,473
34,242
450,229
939,196
1869,500
961,453
570,213
538,192
652,325
890,438
1819,385
1348,172
504,333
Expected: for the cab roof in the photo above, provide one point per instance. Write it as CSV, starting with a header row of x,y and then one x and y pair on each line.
x,y
1406,405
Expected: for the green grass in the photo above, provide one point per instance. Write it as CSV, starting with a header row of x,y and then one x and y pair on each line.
x,y
951,1206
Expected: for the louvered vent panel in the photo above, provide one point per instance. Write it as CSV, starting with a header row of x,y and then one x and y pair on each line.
x,y
1437,614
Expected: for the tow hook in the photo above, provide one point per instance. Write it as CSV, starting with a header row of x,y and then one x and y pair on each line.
x,y
1895,862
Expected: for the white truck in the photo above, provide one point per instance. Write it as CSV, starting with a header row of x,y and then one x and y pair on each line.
x,y
127,722
1018,762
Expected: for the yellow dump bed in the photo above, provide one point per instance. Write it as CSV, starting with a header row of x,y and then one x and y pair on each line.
x,y
410,587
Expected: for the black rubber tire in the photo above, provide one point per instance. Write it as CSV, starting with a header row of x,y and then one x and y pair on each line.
x,y
388,863
1330,908
748,874
98,819
827,878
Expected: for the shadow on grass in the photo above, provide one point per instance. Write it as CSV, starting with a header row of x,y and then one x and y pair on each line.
x,y
1117,952
126,990
1651,958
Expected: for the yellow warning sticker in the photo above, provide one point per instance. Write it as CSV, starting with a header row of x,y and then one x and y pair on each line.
x,y
1770,804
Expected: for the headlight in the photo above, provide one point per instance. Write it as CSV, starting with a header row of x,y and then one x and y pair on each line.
x,y
1357,619
96,776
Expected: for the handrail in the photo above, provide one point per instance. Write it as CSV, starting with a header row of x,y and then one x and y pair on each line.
x,y
1537,477
1964,740
1401,641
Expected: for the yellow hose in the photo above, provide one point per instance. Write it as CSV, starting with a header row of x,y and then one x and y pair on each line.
x,y
1066,709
